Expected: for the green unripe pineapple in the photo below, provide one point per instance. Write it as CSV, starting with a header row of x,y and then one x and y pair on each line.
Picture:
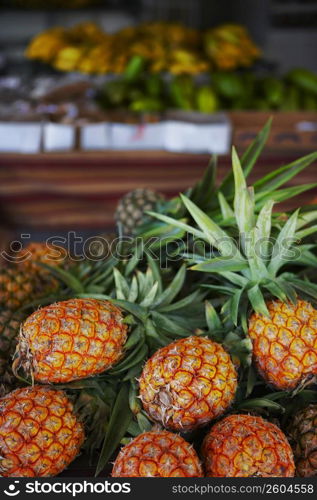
x,y
132,207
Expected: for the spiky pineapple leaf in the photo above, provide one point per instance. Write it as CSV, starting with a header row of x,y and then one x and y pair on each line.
x,y
234,305
303,233
248,159
120,419
283,243
212,318
251,381
211,231
173,289
155,271
196,296
281,194
155,335
263,227
150,296
66,277
255,403
162,322
257,300
306,218
203,192
180,224
122,287
220,265
134,358
226,210
282,175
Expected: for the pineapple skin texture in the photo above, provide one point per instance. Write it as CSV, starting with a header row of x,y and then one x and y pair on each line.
x,y
303,432
188,383
247,446
71,340
44,253
18,288
157,454
39,433
285,345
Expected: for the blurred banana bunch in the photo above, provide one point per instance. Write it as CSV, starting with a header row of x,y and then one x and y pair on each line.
x,y
230,47
167,47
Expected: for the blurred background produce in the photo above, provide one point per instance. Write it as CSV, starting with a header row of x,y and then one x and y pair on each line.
x,y
134,84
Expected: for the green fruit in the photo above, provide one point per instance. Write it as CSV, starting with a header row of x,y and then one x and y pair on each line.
x,y
291,100
154,86
116,93
304,79
228,85
134,68
206,100
182,92
273,91
147,104
309,102
260,105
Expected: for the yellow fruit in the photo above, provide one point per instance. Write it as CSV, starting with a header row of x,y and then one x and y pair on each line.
x,y
39,433
285,345
157,454
68,58
45,253
71,340
188,383
46,45
247,446
18,288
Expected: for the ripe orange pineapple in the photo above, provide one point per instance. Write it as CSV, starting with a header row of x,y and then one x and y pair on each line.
x,y
188,383
45,253
71,340
247,446
18,287
285,345
157,454
39,433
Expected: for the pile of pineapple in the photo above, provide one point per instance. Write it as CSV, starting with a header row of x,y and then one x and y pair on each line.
x,y
192,344
166,46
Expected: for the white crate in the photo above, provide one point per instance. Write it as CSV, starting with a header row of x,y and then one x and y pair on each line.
x,y
20,137
58,137
211,135
143,136
95,136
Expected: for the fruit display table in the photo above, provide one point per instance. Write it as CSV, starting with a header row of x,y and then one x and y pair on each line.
x,y
80,190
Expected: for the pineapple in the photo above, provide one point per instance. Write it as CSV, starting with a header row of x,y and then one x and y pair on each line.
x,y
247,446
71,340
9,330
303,431
157,454
188,383
19,286
39,433
132,207
45,253
285,343
24,281
258,293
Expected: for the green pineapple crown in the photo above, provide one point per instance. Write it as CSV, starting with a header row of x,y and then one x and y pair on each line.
x,y
250,253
